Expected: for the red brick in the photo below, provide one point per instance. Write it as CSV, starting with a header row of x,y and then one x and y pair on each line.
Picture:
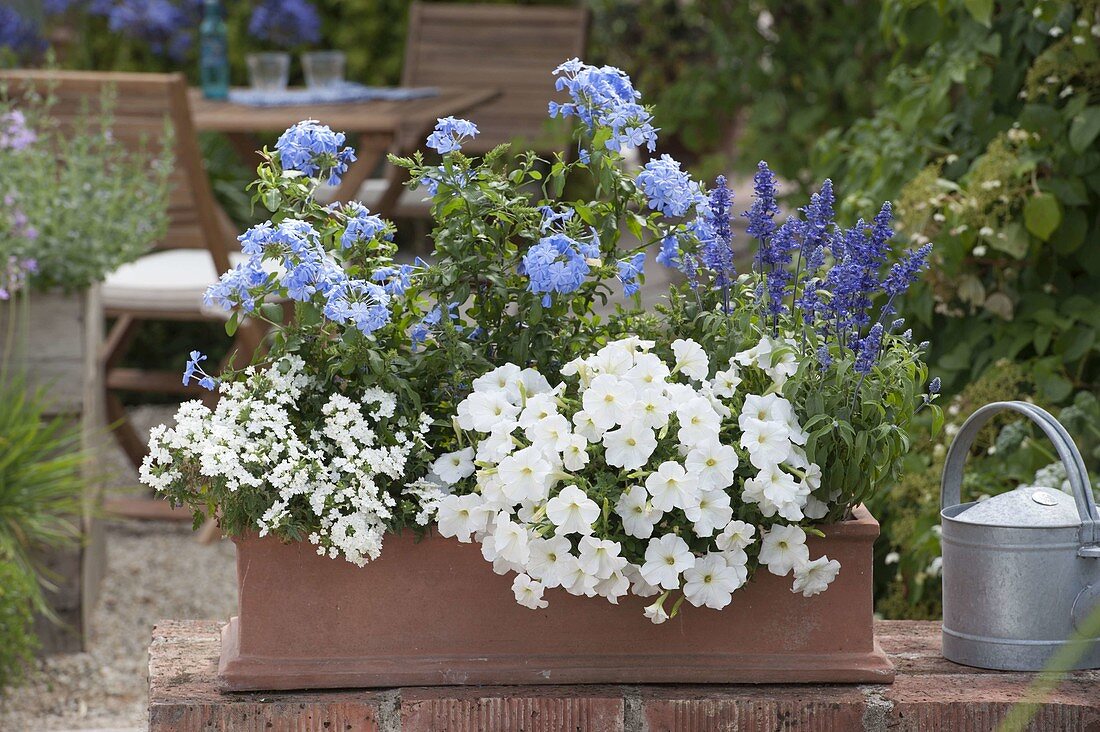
x,y
512,709
725,709
266,716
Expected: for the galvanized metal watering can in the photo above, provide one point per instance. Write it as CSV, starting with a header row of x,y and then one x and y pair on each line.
x,y
1021,570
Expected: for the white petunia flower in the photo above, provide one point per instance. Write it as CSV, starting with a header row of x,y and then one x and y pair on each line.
x,y
510,540
711,582
652,408
499,444
609,401
629,447
782,548
691,359
462,516
713,464
782,491
725,383
672,487
577,580
767,442
648,371
613,587
766,408
699,423
614,359
665,558
550,558
533,384
528,592
710,512
638,585
814,577
572,511
537,408
550,433
736,535
454,466
583,424
638,515
525,475
481,411
498,380
656,612
575,452
600,557
759,355
815,508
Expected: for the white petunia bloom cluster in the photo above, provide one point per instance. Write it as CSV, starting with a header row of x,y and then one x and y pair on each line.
x,y
636,476
335,471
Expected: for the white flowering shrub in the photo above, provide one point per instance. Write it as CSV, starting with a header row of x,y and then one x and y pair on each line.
x,y
312,464
638,475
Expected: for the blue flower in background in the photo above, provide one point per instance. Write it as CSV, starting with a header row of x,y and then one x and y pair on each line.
x,y
629,271
312,148
18,33
669,189
192,371
603,97
556,264
167,26
361,226
430,322
395,280
286,23
450,133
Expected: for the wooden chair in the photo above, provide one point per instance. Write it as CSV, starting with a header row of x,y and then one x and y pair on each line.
x,y
199,246
511,48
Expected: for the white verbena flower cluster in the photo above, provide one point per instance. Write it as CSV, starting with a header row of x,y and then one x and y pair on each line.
x,y
333,472
636,477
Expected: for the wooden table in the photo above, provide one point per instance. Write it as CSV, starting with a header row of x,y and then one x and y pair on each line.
x,y
381,126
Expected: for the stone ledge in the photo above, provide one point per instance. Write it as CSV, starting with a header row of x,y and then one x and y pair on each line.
x,y
929,693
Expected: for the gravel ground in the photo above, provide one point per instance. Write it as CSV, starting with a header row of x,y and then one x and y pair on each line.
x,y
155,570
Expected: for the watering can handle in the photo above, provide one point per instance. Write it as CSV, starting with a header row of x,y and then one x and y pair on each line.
x,y
951,485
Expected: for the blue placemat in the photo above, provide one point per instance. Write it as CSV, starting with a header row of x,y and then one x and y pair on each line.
x,y
346,92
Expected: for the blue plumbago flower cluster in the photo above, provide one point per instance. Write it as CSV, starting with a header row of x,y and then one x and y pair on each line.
x,y
312,148
303,269
450,133
430,322
286,23
791,259
603,97
193,372
361,225
669,189
18,33
558,264
629,271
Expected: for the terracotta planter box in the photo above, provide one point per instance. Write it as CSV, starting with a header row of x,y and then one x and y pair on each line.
x,y
434,613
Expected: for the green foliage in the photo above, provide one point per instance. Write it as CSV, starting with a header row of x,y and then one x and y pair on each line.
x,y
91,204
743,81
41,485
17,639
987,142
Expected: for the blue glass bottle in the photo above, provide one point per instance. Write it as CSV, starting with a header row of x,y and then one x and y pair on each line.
x,y
214,52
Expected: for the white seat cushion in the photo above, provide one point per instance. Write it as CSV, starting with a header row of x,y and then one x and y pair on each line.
x,y
170,281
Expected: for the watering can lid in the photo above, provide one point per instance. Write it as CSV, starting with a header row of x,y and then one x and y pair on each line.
x,y
1026,506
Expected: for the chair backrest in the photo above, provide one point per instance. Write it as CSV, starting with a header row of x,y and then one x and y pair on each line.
x,y
142,104
512,48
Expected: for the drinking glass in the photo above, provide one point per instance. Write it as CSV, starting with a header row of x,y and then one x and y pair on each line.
x,y
323,69
268,71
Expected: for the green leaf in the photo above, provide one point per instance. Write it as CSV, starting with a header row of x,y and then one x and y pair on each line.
x,y
1071,234
272,199
1042,215
1084,129
1016,241
980,10
232,323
